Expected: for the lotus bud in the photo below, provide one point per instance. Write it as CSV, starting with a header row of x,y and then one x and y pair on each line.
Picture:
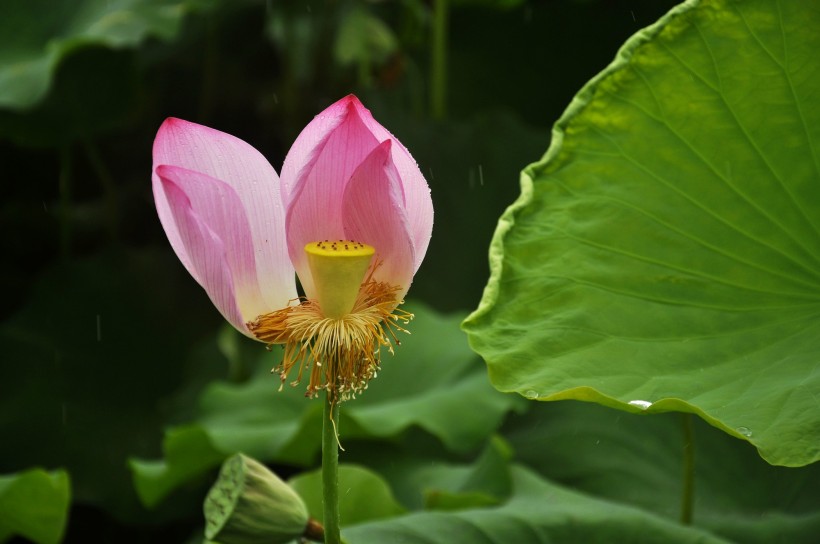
x,y
249,504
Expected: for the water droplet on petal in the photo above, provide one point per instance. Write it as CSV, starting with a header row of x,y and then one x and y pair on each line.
x,y
745,431
531,394
642,404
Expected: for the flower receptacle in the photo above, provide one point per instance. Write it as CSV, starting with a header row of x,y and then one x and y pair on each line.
x,y
338,268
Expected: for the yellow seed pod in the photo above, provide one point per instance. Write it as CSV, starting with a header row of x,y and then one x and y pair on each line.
x,y
338,268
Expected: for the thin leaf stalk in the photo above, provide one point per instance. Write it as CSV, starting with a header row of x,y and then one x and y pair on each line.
x,y
438,62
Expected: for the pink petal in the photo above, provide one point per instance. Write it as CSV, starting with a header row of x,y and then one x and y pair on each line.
x,y
238,164
218,207
373,208
205,253
417,200
308,143
302,157
314,177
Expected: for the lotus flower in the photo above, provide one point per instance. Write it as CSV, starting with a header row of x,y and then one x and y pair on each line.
x,y
351,215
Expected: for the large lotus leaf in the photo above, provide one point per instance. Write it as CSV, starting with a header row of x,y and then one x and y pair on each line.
x,y
665,253
35,35
433,382
539,512
636,460
34,504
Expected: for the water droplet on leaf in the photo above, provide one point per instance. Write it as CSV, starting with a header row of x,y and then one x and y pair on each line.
x,y
531,394
745,431
642,404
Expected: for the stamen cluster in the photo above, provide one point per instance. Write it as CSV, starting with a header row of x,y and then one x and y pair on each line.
x,y
341,354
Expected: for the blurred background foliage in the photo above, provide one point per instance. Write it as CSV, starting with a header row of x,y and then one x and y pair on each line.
x,y
117,370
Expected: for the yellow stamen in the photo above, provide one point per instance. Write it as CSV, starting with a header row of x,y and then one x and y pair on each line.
x,y
338,269
342,353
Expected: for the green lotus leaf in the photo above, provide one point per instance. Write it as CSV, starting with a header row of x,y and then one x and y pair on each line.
x,y
34,504
538,512
665,253
35,35
424,476
484,483
188,453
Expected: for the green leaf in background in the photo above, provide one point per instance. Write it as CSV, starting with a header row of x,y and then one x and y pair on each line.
x,y
539,512
425,476
433,382
665,253
188,453
364,495
363,38
95,90
34,504
636,460
35,35
487,482
495,4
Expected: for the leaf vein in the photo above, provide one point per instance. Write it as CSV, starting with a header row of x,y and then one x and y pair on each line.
x,y
748,137
700,241
784,66
698,204
671,266
655,339
661,300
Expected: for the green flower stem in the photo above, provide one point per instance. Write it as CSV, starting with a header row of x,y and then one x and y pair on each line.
x,y
688,494
438,63
330,471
